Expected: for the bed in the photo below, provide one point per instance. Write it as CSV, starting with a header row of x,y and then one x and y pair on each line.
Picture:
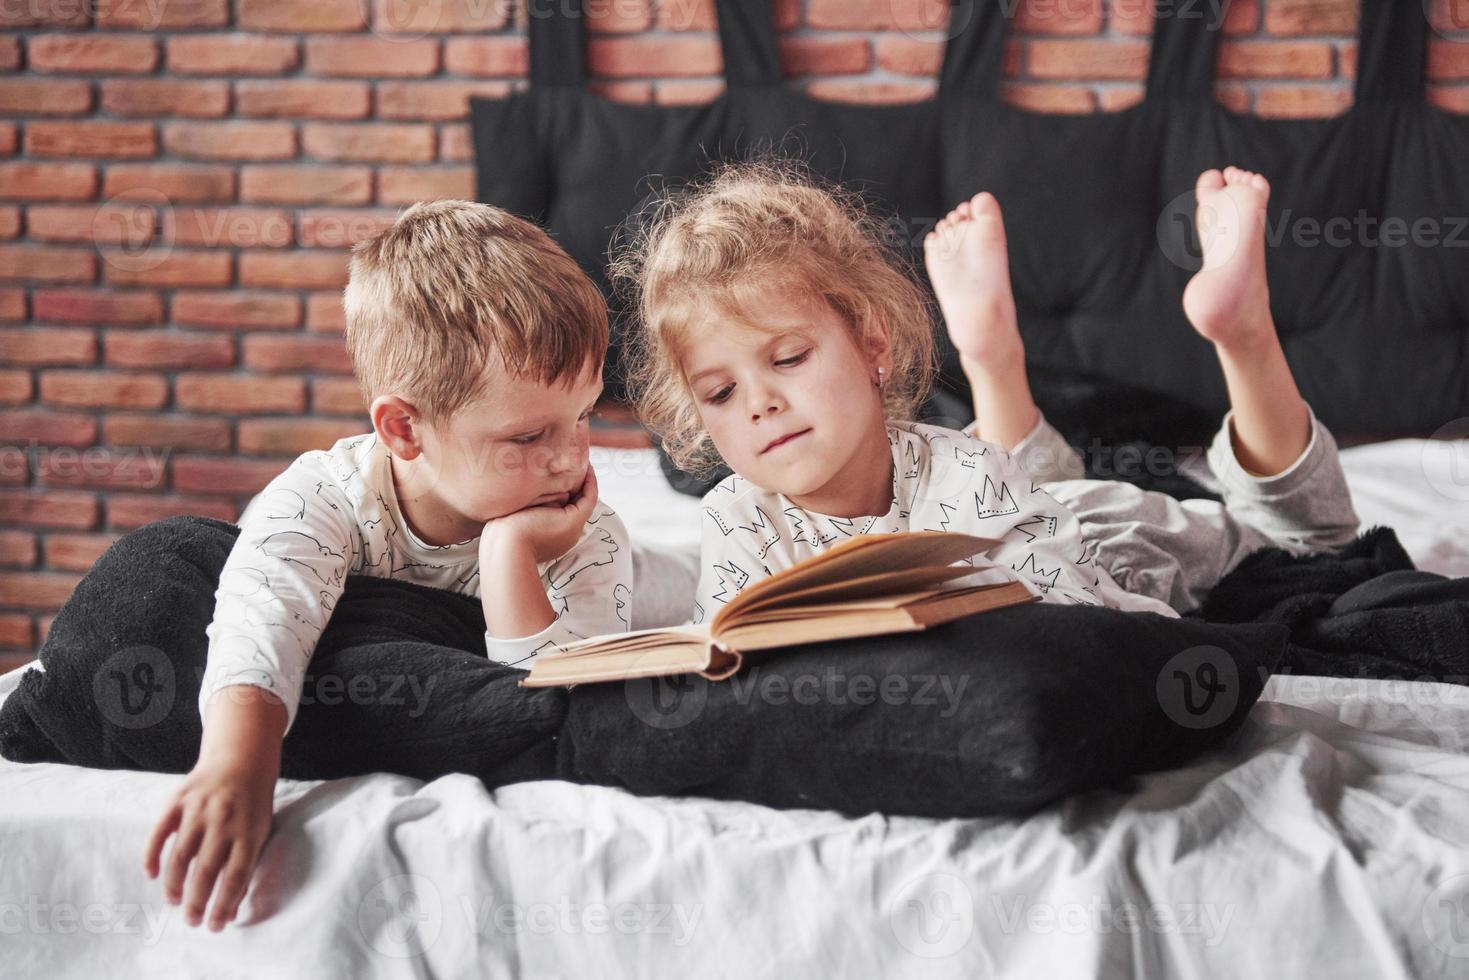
x,y
1342,801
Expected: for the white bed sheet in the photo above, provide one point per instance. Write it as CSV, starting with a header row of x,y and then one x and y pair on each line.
x,y
1330,838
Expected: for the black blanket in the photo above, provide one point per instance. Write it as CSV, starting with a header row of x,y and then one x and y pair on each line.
x,y
1361,611
399,681
999,713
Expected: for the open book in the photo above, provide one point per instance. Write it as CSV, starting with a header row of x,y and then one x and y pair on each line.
x,y
868,585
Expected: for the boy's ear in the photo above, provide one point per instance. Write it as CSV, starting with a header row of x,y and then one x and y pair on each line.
x,y
398,425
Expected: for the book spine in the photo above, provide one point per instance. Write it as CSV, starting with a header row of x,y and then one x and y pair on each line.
x,y
722,661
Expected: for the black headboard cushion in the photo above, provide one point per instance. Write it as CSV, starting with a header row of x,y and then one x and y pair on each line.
x,y
1369,258
579,164
1374,318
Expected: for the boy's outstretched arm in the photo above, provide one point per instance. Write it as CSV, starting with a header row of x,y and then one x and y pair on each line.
x,y
276,590
280,583
221,813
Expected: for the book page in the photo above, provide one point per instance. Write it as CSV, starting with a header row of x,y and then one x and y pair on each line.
x,y
883,583
918,612
862,556
678,651
633,640
676,658
782,614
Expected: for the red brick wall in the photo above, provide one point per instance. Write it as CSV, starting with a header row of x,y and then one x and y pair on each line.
x,y
263,137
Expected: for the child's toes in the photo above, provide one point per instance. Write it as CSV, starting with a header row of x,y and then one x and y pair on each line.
x,y
1209,180
984,204
1259,182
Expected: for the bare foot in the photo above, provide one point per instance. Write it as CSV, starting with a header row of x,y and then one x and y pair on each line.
x,y
970,271
1227,301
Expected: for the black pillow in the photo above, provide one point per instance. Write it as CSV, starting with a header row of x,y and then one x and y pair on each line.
x,y
1000,713
1041,701
398,683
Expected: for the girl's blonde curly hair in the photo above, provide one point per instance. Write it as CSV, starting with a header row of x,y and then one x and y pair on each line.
x,y
696,254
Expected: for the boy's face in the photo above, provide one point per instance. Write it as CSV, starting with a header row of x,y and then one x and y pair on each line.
x,y
807,380
520,444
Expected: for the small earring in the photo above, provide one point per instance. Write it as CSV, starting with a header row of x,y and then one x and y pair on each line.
x,y
879,378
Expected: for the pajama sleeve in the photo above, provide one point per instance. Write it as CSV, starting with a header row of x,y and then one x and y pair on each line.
x,y
728,561
1041,539
279,584
590,590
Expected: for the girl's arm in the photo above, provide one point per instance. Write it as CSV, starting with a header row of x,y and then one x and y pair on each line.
x,y
1041,539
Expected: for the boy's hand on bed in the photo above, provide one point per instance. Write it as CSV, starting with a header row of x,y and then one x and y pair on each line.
x,y
548,531
221,815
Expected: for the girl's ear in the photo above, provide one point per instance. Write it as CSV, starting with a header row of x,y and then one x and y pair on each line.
x,y
398,425
879,344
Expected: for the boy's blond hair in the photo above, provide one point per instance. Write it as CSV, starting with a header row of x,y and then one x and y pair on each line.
x,y
750,228
450,286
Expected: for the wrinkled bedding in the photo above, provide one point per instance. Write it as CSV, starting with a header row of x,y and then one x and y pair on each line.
x,y
1329,837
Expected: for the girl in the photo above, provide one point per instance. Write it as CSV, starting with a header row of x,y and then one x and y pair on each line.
x,y
779,334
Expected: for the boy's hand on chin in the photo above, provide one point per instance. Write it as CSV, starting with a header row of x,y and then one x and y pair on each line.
x,y
548,531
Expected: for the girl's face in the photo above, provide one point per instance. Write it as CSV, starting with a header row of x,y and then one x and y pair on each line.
x,y
795,410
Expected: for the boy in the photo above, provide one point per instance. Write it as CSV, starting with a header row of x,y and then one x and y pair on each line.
x,y
478,344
